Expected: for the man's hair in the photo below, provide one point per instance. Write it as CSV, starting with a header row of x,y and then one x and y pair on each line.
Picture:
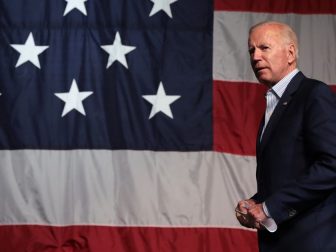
x,y
286,31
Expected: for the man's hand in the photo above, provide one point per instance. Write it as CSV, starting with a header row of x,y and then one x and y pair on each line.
x,y
242,214
250,214
256,212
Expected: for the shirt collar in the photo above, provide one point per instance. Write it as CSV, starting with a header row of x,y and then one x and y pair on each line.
x,y
279,88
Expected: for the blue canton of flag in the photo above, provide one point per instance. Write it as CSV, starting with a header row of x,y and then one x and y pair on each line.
x,y
85,74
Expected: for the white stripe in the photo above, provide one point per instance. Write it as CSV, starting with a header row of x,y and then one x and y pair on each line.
x,y
123,188
316,34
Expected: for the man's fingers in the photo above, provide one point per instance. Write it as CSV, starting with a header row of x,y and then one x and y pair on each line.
x,y
248,214
240,211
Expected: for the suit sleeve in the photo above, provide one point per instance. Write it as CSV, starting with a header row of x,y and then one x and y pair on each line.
x,y
319,180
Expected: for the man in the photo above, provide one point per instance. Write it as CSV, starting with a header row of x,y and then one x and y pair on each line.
x,y
294,208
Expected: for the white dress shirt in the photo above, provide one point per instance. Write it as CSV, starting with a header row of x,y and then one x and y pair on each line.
x,y
274,94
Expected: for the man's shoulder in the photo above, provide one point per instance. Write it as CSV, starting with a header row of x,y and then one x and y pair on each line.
x,y
314,85
304,84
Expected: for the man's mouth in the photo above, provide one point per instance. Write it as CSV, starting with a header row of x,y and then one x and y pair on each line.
x,y
259,69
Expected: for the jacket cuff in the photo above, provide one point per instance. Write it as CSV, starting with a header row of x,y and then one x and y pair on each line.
x,y
278,211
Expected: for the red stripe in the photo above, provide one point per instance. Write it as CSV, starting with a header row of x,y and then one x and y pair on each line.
x,y
237,111
124,239
281,6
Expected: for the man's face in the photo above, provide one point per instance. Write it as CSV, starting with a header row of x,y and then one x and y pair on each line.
x,y
270,57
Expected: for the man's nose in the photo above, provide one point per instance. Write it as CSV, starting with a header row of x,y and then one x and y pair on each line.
x,y
256,56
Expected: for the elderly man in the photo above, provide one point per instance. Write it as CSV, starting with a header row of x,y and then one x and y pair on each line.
x,y
294,208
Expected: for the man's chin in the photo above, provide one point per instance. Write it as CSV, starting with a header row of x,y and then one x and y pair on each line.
x,y
264,80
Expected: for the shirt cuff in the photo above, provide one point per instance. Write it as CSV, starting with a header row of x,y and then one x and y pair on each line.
x,y
266,210
268,223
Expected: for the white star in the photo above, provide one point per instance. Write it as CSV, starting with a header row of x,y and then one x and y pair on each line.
x,y
73,99
72,4
162,5
29,51
117,51
161,102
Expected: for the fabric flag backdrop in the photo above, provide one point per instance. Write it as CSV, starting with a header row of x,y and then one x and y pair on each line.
x,y
131,125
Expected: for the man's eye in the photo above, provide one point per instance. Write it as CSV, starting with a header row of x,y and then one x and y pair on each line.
x,y
251,50
264,48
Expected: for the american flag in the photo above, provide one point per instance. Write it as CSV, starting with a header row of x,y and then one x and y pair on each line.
x,y
130,125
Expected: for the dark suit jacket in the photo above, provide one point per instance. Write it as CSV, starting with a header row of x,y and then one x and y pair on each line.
x,y
296,169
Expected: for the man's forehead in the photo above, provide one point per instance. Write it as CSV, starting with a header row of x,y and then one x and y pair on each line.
x,y
266,36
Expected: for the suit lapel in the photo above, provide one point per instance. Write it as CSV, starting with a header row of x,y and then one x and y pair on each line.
x,y
278,111
261,126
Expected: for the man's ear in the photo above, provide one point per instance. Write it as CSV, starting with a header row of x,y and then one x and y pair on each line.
x,y
291,53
